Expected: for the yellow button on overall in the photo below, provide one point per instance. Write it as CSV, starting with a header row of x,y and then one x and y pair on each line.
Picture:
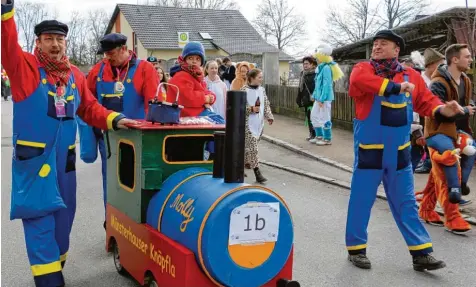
x,y
45,170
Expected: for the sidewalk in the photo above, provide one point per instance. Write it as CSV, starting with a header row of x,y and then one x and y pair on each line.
x,y
292,131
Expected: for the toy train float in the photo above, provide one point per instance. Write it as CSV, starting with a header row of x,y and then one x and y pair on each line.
x,y
175,218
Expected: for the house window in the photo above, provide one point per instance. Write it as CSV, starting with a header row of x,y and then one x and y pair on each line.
x,y
134,42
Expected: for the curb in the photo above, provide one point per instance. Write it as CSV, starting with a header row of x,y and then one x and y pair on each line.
x,y
307,153
471,220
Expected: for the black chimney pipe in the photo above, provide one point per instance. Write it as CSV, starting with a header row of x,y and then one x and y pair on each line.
x,y
235,137
218,161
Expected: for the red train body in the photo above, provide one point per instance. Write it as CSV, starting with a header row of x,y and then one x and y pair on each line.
x,y
152,258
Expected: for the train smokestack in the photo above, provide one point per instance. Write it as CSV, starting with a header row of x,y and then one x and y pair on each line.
x,y
218,161
235,137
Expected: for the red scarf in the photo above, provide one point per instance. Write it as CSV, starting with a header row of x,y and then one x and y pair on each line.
x,y
386,68
195,71
57,69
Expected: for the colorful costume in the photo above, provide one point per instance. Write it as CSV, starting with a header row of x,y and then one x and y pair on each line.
x,y
240,81
46,105
326,73
437,189
255,97
442,133
448,178
127,90
382,152
5,85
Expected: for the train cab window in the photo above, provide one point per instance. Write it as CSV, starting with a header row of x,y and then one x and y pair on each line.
x,y
126,165
181,149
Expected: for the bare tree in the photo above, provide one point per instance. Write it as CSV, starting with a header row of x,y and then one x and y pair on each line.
x,y
277,21
202,4
27,15
77,35
352,24
398,12
98,21
170,3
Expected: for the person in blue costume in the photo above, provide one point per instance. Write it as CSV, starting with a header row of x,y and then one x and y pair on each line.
x,y
123,83
327,73
49,94
385,94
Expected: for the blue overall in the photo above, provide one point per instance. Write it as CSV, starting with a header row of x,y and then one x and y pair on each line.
x,y
130,104
44,178
382,153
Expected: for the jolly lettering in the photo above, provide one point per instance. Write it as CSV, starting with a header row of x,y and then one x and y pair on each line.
x,y
185,208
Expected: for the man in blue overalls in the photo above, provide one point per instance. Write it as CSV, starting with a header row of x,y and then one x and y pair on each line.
x,y
385,95
122,83
49,94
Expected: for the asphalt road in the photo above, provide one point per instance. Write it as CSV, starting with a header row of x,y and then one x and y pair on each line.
x,y
319,214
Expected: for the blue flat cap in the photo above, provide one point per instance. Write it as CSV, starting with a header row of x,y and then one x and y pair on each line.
x,y
111,41
51,27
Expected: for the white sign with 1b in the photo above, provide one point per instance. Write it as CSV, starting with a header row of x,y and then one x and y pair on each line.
x,y
254,223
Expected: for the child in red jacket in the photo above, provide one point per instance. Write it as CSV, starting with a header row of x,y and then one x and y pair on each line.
x,y
194,95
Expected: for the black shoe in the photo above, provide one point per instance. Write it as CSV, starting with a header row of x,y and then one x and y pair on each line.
x,y
454,194
104,224
259,177
360,260
428,262
465,189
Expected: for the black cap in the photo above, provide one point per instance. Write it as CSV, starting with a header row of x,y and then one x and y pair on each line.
x,y
152,59
111,41
390,35
51,27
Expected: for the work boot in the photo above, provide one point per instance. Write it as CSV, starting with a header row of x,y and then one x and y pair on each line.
x,y
259,177
360,260
428,262
465,189
454,194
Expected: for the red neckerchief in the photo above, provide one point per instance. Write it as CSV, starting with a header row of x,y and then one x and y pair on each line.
x,y
386,68
58,70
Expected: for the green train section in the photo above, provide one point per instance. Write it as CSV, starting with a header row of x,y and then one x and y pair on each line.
x,y
142,159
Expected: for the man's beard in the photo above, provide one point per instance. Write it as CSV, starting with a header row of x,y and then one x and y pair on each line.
x,y
463,69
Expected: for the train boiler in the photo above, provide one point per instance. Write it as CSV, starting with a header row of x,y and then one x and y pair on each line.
x,y
177,218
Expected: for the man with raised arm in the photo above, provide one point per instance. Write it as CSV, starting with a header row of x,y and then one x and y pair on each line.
x,y
48,95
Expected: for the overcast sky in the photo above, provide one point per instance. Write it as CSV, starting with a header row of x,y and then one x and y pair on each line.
x,y
313,10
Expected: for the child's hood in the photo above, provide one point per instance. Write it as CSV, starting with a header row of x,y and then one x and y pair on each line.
x,y
241,64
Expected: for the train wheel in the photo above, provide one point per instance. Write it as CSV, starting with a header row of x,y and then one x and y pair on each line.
x,y
287,283
117,263
150,281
